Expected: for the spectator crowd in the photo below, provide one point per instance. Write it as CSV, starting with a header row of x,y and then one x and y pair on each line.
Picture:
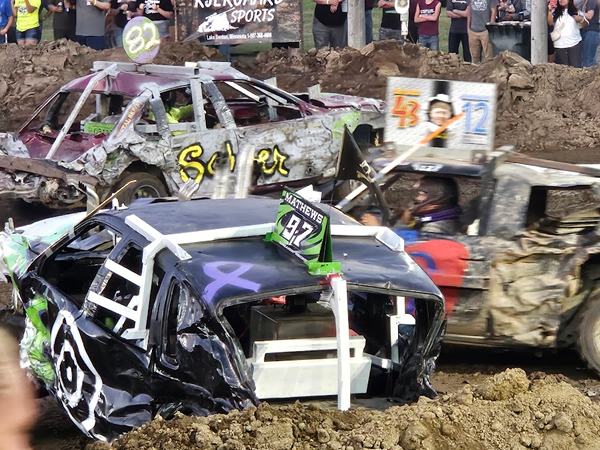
x,y
575,44
574,30
98,24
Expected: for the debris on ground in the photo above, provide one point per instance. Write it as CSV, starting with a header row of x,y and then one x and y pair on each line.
x,y
507,411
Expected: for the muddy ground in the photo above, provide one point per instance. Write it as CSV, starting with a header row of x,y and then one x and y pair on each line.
x,y
546,111
507,411
549,402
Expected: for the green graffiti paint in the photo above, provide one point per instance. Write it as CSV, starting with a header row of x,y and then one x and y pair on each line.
x,y
37,314
349,119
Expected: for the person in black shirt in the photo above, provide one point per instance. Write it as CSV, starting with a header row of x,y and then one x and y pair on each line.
x,y
160,12
64,19
121,11
457,11
329,24
390,23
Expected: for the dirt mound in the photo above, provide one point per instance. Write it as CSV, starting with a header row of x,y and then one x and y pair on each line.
x,y
29,75
508,411
545,109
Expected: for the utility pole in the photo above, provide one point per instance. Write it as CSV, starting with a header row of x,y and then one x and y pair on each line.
x,y
539,31
356,23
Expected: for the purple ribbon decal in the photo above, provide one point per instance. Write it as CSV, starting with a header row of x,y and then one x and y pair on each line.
x,y
227,278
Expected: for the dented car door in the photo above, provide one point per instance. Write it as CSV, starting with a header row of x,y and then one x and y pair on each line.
x,y
73,347
213,140
189,347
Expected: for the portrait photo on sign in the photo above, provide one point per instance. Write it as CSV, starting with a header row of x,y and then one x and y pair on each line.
x,y
450,119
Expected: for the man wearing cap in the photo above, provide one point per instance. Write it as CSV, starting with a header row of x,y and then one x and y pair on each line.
x,y
440,110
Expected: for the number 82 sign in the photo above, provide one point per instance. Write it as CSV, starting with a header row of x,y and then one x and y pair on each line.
x,y
141,40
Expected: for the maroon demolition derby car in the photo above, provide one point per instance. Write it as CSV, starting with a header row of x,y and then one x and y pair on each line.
x,y
161,126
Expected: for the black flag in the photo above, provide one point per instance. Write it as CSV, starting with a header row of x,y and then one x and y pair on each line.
x,y
353,166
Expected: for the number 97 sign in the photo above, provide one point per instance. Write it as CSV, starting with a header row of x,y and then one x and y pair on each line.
x,y
141,40
302,229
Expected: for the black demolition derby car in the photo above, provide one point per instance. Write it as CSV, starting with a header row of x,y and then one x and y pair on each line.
x,y
205,306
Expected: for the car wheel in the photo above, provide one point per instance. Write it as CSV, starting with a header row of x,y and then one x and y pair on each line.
x,y
588,339
145,186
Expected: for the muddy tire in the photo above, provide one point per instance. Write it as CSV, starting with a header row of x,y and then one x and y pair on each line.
x,y
588,339
145,186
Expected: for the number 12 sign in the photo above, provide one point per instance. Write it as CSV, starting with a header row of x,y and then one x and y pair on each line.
x,y
418,107
141,40
303,230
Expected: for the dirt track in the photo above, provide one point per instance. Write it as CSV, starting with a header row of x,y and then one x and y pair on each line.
x,y
549,111
480,407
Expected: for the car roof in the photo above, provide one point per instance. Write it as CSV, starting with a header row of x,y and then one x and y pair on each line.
x,y
533,171
433,166
169,216
545,177
365,261
131,80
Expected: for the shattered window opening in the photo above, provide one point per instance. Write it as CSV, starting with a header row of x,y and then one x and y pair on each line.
x,y
550,210
120,290
305,316
178,106
72,268
249,104
94,122
401,192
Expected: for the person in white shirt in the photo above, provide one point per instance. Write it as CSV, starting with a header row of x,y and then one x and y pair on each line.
x,y
566,36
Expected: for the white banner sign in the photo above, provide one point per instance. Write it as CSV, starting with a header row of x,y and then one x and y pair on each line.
x,y
418,107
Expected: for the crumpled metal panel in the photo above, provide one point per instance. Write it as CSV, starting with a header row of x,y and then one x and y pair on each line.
x,y
542,176
202,342
109,159
331,100
9,145
536,282
19,247
21,185
535,286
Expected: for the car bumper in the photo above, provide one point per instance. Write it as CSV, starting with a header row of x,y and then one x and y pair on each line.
x,y
41,181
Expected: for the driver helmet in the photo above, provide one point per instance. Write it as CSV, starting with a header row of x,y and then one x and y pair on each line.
x,y
434,194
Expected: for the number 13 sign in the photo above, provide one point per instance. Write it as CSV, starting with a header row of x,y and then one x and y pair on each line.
x,y
141,40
